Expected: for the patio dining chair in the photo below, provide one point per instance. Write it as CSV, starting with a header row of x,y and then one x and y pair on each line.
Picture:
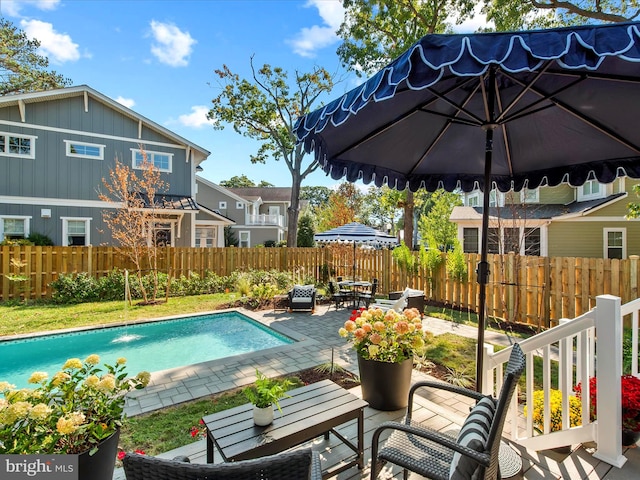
x,y
368,296
473,455
340,298
296,465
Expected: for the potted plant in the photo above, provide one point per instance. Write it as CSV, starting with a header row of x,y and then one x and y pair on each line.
x,y
386,342
630,386
77,411
264,394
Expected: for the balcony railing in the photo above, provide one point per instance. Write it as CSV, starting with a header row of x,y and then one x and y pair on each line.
x,y
265,219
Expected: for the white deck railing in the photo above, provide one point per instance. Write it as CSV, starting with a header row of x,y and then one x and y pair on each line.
x,y
572,348
265,219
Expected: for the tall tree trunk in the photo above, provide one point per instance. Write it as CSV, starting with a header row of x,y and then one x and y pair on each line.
x,y
408,220
293,210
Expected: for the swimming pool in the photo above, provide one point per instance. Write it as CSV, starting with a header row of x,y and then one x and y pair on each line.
x,y
150,346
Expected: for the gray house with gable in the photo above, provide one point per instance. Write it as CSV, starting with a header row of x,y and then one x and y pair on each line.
x,y
57,146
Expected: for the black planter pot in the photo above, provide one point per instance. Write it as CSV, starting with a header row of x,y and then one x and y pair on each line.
x,y
629,437
385,386
101,464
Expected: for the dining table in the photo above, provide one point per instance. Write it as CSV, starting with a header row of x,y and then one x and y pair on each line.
x,y
355,287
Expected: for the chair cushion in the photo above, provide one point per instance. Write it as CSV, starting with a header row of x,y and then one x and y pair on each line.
x,y
473,434
303,291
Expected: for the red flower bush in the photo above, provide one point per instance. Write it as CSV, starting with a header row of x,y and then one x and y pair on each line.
x,y
630,401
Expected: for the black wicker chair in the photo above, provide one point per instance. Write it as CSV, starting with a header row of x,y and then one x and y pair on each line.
x,y
295,465
302,297
367,297
474,454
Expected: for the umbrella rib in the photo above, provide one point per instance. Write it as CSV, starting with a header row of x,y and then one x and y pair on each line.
x,y
404,116
580,116
445,128
505,136
525,89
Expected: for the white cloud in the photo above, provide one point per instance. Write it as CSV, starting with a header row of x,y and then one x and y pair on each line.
x,y
197,118
13,7
172,46
58,47
311,39
127,102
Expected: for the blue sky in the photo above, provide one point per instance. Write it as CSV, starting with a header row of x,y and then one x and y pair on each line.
x,y
158,57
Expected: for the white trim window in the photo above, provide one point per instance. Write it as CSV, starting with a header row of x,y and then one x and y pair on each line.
x,y
239,205
473,199
222,205
14,145
84,150
206,236
530,195
75,231
591,190
161,160
615,243
244,238
13,227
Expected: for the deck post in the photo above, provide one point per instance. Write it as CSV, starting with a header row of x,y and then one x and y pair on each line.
x,y
609,374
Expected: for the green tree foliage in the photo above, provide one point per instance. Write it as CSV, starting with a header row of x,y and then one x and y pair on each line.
x,y
436,225
405,259
456,263
633,207
305,231
376,31
315,196
22,69
524,15
230,238
237,182
382,207
265,108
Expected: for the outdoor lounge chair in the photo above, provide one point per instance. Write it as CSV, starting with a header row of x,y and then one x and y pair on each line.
x,y
295,465
302,297
474,454
415,298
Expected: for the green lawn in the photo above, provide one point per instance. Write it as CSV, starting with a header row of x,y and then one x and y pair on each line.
x,y
40,317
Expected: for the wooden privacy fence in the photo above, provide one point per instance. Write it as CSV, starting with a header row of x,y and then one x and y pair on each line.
x,y
537,291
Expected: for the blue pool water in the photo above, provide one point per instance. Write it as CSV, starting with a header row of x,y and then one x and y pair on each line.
x,y
150,346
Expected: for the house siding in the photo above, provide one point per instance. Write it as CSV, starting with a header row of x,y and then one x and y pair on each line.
x,y
52,174
70,186
586,239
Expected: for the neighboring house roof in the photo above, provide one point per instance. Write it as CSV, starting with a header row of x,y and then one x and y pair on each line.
x,y
23,99
267,194
216,214
220,188
534,211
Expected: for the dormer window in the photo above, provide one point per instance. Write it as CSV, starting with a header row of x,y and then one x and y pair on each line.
x,y
591,190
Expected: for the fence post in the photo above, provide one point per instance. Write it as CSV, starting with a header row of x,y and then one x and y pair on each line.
x,y
609,374
488,384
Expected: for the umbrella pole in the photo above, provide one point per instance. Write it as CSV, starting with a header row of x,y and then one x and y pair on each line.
x,y
483,267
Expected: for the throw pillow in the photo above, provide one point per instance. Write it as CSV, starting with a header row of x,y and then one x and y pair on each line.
x,y
473,434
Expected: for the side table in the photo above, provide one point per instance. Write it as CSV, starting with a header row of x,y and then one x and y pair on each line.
x,y
280,302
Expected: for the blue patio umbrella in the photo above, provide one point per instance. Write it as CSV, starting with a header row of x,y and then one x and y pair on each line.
x,y
513,110
358,234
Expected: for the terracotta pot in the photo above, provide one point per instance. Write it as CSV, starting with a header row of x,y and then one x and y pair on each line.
x,y
101,464
629,437
263,416
385,386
